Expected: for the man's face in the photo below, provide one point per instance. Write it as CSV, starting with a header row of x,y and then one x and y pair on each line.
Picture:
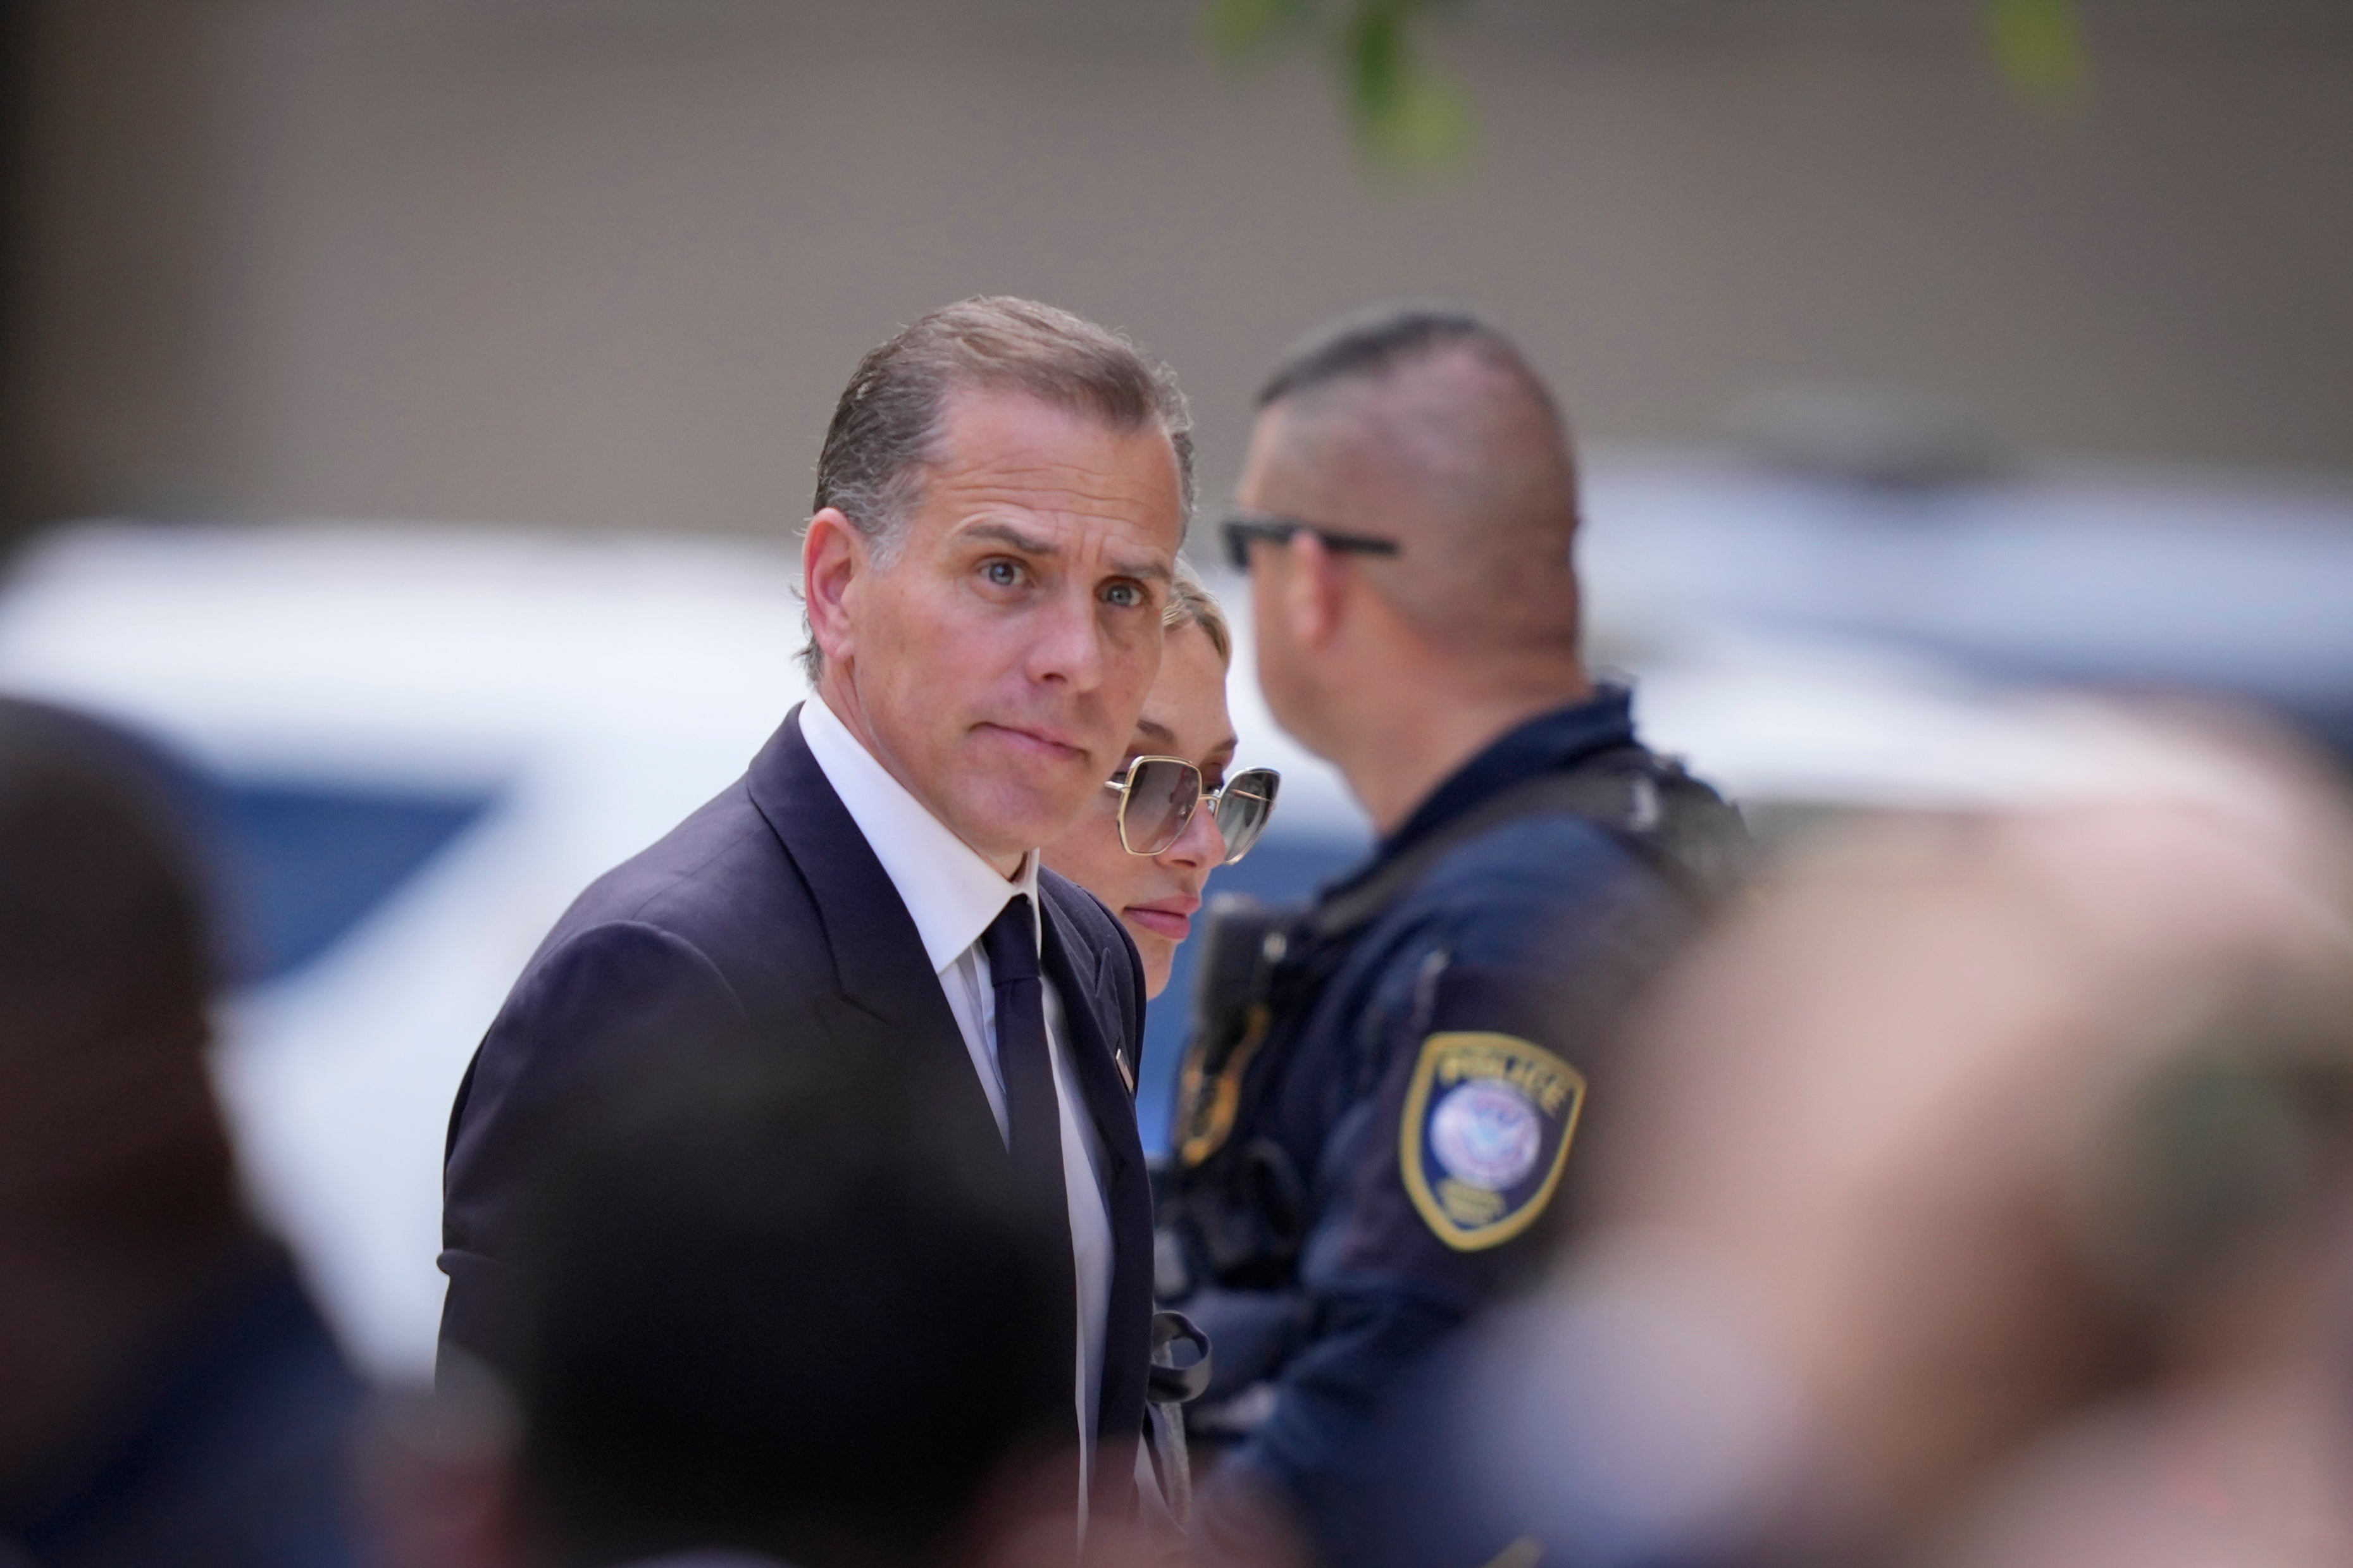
x,y
1270,484
998,664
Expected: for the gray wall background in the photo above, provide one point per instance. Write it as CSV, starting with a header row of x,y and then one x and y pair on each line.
x,y
605,263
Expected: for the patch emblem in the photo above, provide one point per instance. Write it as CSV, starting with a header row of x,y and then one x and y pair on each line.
x,y
1486,1133
1488,1121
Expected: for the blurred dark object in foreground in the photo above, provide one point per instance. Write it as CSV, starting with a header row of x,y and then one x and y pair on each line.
x,y
1987,1199
713,1354
171,1396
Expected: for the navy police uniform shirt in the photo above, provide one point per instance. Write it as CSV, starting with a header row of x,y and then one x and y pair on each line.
x,y
1429,1097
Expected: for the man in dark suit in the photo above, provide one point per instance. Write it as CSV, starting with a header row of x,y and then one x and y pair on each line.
x,y
999,502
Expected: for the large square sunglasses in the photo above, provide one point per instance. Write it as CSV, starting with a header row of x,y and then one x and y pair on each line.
x,y
1240,530
1158,795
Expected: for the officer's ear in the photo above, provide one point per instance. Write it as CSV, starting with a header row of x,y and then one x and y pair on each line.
x,y
1315,590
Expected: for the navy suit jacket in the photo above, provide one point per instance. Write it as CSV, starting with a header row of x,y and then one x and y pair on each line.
x,y
764,922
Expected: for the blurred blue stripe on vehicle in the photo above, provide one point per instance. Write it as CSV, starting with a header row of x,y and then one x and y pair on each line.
x,y
306,861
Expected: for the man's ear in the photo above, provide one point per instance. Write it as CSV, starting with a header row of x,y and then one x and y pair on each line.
x,y
833,560
1315,593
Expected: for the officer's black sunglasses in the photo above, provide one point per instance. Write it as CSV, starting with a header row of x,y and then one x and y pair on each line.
x,y
1242,527
1158,795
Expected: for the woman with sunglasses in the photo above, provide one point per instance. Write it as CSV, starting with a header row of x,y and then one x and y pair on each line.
x,y
1170,815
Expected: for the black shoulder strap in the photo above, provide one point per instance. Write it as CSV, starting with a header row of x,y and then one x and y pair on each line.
x,y
1685,832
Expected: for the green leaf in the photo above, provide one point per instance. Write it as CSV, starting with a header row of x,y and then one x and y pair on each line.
x,y
1427,125
2039,45
1238,28
1405,114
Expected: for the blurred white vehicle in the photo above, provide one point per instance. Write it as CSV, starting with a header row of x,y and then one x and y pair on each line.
x,y
426,739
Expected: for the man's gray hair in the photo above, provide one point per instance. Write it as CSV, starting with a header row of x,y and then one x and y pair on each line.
x,y
886,428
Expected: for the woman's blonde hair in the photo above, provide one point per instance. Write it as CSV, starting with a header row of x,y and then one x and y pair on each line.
x,y
1189,604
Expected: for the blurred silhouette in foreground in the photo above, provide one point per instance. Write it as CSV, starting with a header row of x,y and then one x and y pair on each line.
x,y
713,1357
168,1395
1982,1198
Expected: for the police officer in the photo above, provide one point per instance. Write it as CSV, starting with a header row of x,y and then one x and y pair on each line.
x,y
1384,1090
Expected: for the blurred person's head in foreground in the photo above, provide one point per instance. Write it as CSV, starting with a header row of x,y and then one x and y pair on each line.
x,y
715,1355
170,1394
1148,844
1984,1194
1000,497
1407,509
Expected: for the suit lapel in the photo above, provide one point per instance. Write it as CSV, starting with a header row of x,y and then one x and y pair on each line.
x,y
1094,1043
890,1004
1092,1023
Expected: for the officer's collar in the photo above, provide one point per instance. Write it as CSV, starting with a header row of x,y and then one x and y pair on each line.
x,y
1545,743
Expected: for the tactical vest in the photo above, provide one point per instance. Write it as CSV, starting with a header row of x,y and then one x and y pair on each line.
x,y
1235,1204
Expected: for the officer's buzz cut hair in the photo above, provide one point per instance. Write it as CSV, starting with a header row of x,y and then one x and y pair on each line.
x,y
886,428
1482,463
1368,346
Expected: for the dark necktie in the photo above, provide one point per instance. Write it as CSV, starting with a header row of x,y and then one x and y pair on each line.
x,y
1033,1119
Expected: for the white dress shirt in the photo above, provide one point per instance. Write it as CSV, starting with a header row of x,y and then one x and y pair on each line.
x,y
954,895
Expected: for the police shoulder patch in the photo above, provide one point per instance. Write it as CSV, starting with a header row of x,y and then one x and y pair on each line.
x,y
1488,1121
